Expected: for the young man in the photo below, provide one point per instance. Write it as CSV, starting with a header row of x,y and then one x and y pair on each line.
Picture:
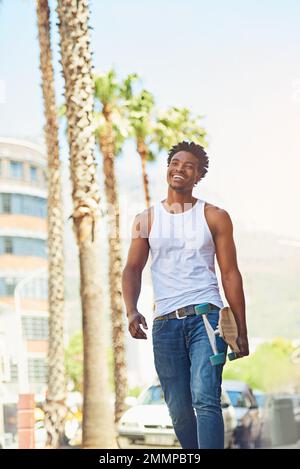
x,y
184,234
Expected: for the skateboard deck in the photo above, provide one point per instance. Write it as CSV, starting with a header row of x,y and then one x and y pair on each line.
x,y
228,329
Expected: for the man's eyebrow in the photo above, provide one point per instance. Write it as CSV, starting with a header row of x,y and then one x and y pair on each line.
x,y
186,162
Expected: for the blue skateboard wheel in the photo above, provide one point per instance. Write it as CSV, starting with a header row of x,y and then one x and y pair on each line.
x,y
232,356
218,359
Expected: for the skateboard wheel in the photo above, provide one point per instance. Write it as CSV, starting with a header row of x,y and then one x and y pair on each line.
x,y
218,359
203,308
232,356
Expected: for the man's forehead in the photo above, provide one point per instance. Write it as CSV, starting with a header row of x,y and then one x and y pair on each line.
x,y
184,156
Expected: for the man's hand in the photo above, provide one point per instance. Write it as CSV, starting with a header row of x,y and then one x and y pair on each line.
x,y
242,342
134,321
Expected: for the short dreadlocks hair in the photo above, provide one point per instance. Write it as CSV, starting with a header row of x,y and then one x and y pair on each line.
x,y
196,150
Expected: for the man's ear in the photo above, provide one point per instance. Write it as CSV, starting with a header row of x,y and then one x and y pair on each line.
x,y
199,179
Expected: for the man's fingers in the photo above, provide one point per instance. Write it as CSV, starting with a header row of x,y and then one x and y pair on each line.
x,y
137,332
143,321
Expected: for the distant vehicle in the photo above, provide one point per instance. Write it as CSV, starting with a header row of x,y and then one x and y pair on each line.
x,y
148,422
296,408
262,400
260,397
249,423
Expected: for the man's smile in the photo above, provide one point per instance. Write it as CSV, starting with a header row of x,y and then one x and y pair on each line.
x,y
177,177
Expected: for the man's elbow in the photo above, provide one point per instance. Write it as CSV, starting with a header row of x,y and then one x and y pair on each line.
x,y
131,269
231,275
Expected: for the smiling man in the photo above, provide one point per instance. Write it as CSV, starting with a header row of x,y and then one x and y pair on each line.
x,y
184,234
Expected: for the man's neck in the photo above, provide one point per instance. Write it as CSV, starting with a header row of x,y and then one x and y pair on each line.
x,y
178,202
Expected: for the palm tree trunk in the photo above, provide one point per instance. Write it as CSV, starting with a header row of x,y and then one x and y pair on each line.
x,y
98,426
143,152
107,147
55,410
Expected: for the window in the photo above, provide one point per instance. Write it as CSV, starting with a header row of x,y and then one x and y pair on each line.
x,y
8,246
6,203
37,368
37,289
34,206
22,246
35,328
33,174
10,285
13,372
237,399
16,170
152,396
23,204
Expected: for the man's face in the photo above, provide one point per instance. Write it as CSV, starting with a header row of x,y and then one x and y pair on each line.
x,y
183,172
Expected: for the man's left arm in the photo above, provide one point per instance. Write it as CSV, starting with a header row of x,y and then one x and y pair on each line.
x,y
231,277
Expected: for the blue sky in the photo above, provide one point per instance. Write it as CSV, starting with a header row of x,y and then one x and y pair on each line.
x,y
236,62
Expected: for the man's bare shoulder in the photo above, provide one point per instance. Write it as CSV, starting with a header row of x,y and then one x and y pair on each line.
x,y
217,217
143,222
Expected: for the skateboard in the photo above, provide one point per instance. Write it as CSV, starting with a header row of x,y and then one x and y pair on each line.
x,y
227,329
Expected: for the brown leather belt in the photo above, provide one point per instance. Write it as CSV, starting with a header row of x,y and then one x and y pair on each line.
x,y
181,313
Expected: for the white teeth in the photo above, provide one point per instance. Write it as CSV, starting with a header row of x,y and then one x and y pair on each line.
x,y
178,177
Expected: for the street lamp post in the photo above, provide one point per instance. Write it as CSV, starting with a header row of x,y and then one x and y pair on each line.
x,y
26,402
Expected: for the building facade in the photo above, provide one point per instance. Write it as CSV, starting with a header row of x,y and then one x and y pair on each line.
x,y
23,258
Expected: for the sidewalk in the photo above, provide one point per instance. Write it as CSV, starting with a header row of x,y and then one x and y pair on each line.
x,y
291,446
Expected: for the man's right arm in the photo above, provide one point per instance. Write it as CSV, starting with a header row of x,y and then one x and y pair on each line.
x,y
132,276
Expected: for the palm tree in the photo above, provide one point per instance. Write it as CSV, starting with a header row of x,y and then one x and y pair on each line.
x,y
98,426
111,132
175,125
140,108
55,409
157,130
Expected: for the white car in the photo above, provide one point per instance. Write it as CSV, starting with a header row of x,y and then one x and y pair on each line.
x,y
148,422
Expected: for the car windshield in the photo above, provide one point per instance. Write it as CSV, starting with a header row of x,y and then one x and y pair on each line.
x,y
261,399
153,396
237,399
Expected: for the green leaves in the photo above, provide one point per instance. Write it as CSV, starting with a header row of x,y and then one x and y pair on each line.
x,y
177,124
132,111
107,88
269,368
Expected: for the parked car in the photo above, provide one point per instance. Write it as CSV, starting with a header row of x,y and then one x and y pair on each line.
x,y
296,409
262,400
148,422
249,423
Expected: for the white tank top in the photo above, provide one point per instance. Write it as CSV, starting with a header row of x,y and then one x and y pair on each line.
x,y
182,251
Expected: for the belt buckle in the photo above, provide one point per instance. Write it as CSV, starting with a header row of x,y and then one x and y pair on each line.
x,y
177,316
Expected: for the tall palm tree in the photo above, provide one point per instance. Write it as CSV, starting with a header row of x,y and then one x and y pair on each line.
x,y
98,425
55,409
111,133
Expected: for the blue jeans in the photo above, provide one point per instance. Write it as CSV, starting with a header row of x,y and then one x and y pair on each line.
x,y
191,385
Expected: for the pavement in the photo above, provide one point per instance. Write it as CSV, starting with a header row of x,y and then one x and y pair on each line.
x,y
290,446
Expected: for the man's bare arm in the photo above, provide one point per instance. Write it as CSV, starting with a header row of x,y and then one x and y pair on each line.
x,y
132,276
231,277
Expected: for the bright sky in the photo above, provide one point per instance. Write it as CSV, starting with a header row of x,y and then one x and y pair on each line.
x,y
236,62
